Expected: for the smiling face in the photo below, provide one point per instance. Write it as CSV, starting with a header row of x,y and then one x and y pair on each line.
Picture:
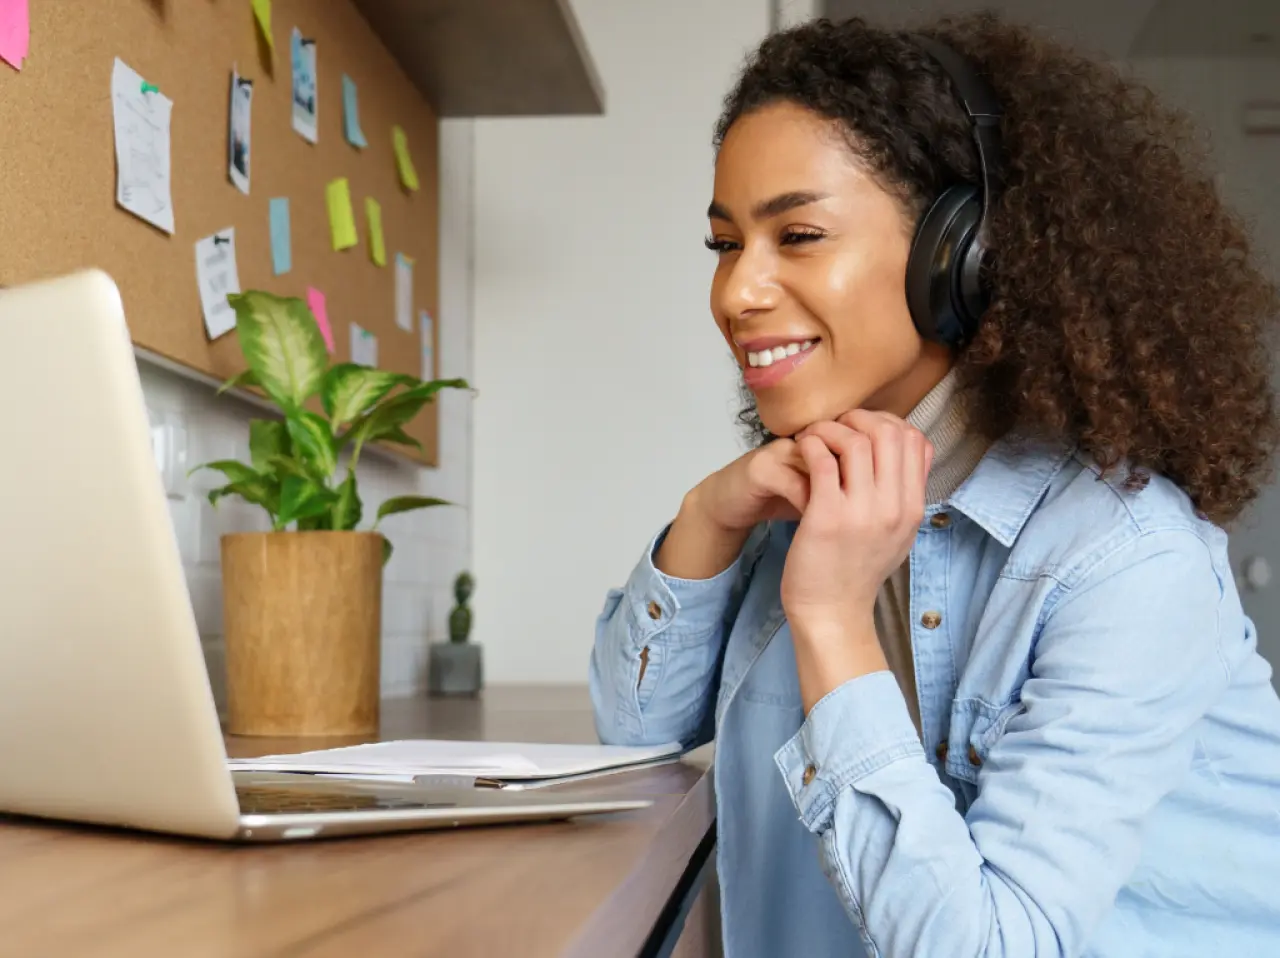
x,y
809,288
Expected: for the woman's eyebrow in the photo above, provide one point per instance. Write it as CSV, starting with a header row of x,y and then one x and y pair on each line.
x,y
769,208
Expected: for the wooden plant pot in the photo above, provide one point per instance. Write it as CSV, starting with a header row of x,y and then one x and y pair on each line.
x,y
303,624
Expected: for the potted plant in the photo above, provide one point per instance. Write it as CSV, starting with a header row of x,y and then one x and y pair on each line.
x,y
455,667
302,603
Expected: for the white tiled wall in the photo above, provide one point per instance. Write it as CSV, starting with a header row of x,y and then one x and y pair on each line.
x,y
431,546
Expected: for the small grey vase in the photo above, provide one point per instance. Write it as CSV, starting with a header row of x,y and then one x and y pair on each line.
x,y
456,667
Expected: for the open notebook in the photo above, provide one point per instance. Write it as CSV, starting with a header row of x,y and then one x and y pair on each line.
x,y
442,761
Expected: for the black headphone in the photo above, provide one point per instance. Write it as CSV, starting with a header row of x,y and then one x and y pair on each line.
x,y
947,292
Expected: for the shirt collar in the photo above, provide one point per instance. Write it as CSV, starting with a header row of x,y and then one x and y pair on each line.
x,y
1008,483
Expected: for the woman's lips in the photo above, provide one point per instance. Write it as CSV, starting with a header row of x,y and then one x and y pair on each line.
x,y
764,377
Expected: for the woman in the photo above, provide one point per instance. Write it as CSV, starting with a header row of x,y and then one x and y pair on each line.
x,y
962,624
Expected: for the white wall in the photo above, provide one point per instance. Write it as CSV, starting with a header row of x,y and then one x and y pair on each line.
x,y
431,546
605,391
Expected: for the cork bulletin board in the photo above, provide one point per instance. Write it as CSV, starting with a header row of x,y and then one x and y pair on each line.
x,y
58,174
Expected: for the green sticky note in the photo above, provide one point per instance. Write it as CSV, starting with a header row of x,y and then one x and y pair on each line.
x,y
262,13
342,219
377,249
404,162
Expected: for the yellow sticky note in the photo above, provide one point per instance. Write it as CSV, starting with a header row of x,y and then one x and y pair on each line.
x,y
377,249
342,220
404,162
262,11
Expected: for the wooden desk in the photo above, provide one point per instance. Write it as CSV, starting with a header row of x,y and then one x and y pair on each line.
x,y
591,888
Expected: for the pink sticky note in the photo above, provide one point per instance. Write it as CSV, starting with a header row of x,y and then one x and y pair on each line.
x,y
315,302
15,32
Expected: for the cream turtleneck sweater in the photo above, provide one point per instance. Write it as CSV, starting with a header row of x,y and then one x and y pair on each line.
x,y
956,452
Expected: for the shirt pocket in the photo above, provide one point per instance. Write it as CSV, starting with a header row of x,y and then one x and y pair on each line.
x,y
976,726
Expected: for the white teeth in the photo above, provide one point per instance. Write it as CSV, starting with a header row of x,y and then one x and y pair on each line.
x,y
767,357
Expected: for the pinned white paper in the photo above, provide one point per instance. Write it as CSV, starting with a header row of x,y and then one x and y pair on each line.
x,y
217,275
428,345
364,347
141,115
238,135
404,292
305,91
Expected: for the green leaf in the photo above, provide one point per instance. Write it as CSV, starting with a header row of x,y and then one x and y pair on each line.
x,y
347,508
234,470
313,442
349,389
301,499
387,549
258,490
268,439
239,381
394,412
402,437
289,466
282,345
318,523
409,503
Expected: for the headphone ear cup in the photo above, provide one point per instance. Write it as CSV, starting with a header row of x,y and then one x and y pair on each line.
x,y
934,267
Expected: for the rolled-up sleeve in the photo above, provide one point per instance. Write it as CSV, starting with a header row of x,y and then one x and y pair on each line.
x,y
1127,663
655,662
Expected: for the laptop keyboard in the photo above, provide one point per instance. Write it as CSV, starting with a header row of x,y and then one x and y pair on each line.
x,y
268,800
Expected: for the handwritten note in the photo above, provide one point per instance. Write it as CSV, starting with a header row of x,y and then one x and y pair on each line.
x,y
15,32
217,276
305,103
238,135
351,113
281,240
142,115
262,13
404,292
364,347
428,345
316,303
404,162
377,247
342,219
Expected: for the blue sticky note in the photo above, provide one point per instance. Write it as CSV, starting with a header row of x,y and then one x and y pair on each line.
x,y
281,253
351,113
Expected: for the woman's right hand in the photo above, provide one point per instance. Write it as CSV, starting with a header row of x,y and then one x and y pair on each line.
x,y
718,514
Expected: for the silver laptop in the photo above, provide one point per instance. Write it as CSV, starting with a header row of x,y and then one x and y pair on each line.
x,y
106,712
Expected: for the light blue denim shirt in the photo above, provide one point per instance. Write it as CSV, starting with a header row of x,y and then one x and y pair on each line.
x,y
1100,771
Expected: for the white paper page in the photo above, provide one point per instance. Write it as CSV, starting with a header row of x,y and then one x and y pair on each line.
x,y
364,347
141,119
305,89
493,759
404,292
217,276
238,134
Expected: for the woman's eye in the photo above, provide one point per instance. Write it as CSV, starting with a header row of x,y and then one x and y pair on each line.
x,y
795,237
719,245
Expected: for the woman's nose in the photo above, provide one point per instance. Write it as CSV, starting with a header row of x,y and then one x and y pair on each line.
x,y
752,284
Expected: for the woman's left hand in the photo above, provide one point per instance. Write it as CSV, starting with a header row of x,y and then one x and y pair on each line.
x,y
867,475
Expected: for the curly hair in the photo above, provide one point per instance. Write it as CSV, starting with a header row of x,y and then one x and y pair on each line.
x,y
1128,313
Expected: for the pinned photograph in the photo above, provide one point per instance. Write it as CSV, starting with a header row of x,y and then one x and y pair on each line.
x,y
304,85
238,137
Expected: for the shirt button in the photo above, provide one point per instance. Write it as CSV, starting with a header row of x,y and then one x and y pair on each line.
x,y
809,772
973,756
940,520
655,610
931,619
941,751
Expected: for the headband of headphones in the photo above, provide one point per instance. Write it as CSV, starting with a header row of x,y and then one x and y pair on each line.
x,y
983,107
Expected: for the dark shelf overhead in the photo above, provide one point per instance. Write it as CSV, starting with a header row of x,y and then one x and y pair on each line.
x,y
491,57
